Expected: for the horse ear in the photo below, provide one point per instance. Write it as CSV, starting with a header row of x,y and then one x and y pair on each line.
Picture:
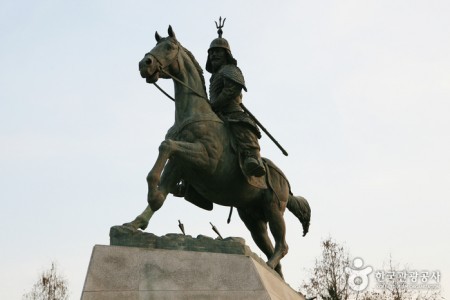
x,y
157,36
171,33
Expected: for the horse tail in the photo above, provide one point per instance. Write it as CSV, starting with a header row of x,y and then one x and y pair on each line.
x,y
301,209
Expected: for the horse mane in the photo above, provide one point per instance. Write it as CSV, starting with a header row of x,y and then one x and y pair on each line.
x,y
196,65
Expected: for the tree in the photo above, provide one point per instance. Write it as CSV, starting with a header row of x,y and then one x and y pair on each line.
x,y
50,286
329,280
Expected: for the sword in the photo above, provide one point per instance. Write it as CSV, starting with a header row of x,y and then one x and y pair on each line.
x,y
263,129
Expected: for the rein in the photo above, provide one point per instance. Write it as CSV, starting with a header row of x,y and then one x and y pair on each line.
x,y
164,92
180,82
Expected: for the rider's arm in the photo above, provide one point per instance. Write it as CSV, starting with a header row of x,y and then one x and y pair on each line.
x,y
230,91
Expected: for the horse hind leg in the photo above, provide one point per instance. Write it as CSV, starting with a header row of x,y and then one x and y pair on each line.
x,y
278,230
274,213
258,230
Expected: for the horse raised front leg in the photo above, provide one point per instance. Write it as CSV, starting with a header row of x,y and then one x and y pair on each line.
x,y
195,155
161,183
156,196
191,155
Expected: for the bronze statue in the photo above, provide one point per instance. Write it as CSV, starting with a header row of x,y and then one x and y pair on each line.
x,y
199,149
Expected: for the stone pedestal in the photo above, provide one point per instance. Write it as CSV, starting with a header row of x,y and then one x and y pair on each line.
x,y
137,273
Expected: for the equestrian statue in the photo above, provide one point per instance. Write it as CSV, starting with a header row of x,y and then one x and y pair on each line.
x,y
211,153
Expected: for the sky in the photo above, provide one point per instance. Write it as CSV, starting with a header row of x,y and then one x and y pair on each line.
x,y
356,91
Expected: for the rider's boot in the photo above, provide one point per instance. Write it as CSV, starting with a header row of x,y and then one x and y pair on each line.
x,y
253,165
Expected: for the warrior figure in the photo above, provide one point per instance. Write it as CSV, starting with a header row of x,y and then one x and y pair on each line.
x,y
225,93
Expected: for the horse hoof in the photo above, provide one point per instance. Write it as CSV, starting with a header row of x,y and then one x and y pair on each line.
x,y
138,223
278,270
271,264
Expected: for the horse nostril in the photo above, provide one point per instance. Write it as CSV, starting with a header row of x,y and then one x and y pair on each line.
x,y
148,61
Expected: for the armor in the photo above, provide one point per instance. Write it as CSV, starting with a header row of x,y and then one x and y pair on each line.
x,y
225,96
225,89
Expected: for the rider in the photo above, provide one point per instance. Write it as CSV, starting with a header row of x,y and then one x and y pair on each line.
x,y
225,91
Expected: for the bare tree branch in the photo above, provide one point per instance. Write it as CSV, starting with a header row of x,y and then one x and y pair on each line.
x,y
50,286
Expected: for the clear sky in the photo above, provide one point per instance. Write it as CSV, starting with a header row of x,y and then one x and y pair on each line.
x,y
356,91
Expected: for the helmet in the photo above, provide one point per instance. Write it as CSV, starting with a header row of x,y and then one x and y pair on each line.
x,y
220,43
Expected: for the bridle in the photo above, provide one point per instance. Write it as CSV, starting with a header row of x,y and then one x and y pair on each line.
x,y
161,69
175,58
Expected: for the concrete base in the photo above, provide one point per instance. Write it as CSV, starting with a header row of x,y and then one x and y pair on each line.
x,y
118,272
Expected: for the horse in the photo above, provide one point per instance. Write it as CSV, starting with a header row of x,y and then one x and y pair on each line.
x,y
198,150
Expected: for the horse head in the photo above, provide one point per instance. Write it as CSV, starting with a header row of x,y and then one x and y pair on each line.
x,y
162,59
169,59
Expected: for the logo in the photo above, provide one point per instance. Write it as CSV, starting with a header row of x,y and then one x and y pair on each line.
x,y
358,279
